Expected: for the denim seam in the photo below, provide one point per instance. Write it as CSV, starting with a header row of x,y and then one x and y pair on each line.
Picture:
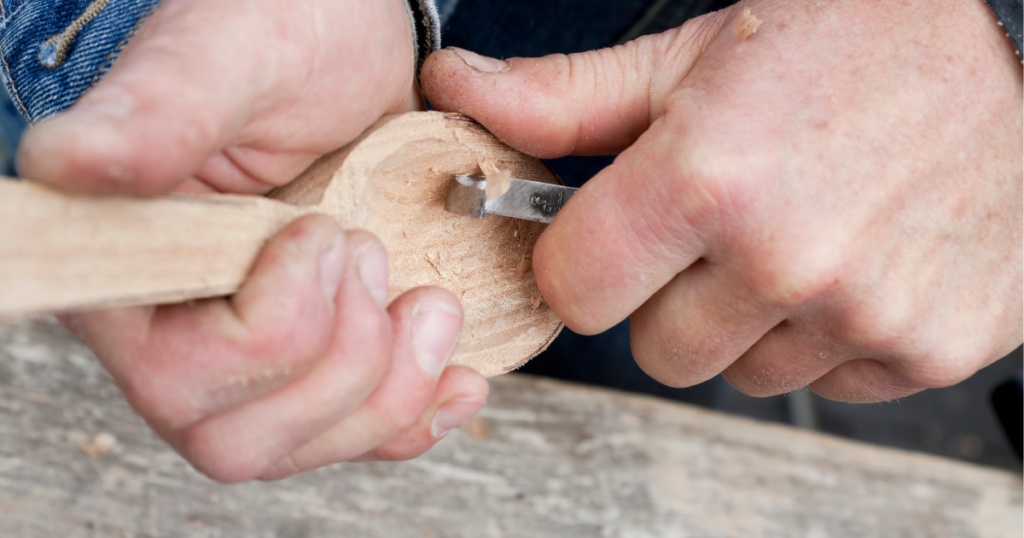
x,y
124,41
14,89
62,41
3,10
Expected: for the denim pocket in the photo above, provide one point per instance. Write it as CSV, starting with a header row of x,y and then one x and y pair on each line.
x,y
51,51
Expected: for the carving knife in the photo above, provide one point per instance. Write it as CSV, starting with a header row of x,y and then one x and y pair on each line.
x,y
527,200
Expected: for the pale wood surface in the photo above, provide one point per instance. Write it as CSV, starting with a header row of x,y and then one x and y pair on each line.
x,y
62,252
547,460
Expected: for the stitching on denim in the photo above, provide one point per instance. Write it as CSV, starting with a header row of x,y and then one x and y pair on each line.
x,y
3,9
54,51
14,90
124,41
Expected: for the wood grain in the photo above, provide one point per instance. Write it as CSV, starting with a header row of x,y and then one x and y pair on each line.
x,y
545,459
62,252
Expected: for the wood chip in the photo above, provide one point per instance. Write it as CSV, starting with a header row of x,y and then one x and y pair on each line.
x,y
524,266
102,443
745,24
477,427
497,178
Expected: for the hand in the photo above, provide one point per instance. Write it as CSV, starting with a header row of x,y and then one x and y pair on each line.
x,y
304,366
834,201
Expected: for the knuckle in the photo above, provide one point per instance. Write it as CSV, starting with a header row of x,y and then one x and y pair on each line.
x,y
374,330
364,348
761,382
212,454
288,466
301,235
661,355
884,324
697,198
291,345
152,399
788,278
400,418
938,371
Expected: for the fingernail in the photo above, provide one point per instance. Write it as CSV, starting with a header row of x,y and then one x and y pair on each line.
x,y
452,414
480,63
435,332
332,265
373,271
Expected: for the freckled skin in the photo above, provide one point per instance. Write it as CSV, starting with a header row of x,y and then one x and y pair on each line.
x,y
834,200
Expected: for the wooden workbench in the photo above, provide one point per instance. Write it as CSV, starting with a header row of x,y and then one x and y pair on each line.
x,y
546,459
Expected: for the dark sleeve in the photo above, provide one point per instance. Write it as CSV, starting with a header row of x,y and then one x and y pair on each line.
x,y
1010,13
426,28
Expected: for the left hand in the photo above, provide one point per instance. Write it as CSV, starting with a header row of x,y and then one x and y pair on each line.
x,y
307,365
833,201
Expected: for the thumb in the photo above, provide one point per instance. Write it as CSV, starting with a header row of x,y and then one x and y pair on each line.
x,y
177,93
589,103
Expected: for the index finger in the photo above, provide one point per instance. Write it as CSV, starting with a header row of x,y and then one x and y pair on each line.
x,y
625,234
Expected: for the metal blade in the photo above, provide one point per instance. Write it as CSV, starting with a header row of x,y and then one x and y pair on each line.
x,y
530,200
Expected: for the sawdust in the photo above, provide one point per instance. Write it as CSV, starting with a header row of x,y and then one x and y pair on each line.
x,y
102,443
498,178
477,427
525,253
434,259
447,271
745,24
524,266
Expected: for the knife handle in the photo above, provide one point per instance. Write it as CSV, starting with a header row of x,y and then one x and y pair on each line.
x,y
61,252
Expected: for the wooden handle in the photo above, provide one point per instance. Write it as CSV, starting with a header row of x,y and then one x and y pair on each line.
x,y
61,252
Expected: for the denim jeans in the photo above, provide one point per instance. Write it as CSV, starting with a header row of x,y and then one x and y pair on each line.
x,y
48,63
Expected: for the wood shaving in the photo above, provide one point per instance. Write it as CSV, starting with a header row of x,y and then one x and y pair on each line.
x,y
102,443
537,300
744,25
434,259
497,178
524,266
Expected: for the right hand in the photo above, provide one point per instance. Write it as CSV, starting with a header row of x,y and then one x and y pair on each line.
x,y
304,366
834,202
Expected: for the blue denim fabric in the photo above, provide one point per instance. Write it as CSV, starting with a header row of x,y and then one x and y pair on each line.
x,y
38,91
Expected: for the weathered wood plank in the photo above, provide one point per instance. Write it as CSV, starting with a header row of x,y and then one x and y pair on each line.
x,y
559,460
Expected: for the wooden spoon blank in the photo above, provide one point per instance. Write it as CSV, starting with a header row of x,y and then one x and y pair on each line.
x,y
62,252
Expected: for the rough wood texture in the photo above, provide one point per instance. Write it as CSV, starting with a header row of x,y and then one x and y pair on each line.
x,y
547,460
62,252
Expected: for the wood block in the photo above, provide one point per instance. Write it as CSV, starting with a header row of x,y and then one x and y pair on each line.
x,y
62,252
